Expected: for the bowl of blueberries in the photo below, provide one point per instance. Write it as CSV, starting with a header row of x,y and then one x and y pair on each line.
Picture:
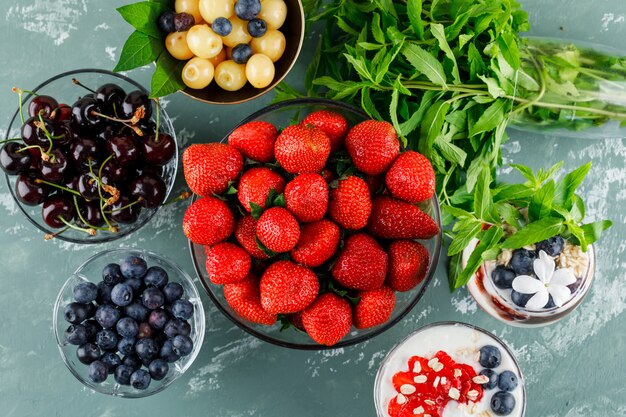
x,y
88,157
128,322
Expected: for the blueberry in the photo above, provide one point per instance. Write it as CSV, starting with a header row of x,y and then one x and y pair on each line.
x,y
550,303
158,369
87,353
493,378
107,316
123,373
183,22
137,311
98,372
111,274
552,246
247,9
132,360
158,319
166,21
182,309
122,294
106,339
222,26
152,298
156,277
92,328
145,330
183,345
257,28
133,267
136,284
104,293
76,334
503,277
522,261
520,299
502,403
127,327
490,356
507,381
146,349
126,345
175,327
140,379
111,360
167,352
76,313
85,292
242,53
173,291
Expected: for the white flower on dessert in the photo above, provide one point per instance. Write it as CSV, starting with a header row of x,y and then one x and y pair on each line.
x,y
552,282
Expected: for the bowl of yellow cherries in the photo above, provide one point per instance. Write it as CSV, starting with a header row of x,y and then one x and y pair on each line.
x,y
234,50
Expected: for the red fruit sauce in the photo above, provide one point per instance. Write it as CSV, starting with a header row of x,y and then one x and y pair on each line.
x,y
433,388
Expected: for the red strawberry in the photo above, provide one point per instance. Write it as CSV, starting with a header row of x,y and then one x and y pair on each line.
x,y
244,298
411,177
408,262
208,221
362,263
288,288
255,185
333,124
301,149
306,197
396,219
278,230
318,243
374,308
350,203
209,167
245,232
372,145
255,140
328,319
227,263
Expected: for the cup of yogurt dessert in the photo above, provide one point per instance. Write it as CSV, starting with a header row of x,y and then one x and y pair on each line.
x,y
535,285
450,369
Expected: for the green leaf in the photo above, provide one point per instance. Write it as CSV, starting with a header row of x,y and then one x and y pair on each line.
x,y
512,192
488,239
457,212
593,230
477,65
255,210
534,232
231,190
438,32
139,50
510,214
541,203
144,16
167,76
346,27
450,151
455,267
578,209
415,119
507,42
377,32
425,63
527,172
483,202
261,246
463,238
491,118
432,125
279,201
358,63
493,86
414,11
566,188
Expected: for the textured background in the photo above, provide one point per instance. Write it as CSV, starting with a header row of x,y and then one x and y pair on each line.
x,y
573,368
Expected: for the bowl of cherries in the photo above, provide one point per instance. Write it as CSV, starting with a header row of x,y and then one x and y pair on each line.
x,y
88,157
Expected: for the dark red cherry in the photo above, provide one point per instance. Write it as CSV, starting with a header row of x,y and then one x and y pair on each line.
x,y
114,171
123,214
82,150
158,151
151,188
133,101
72,183
83,114
33,135
12,160
63,113
110,97
125,149
63,134
28,191
90,211
88,187
43,105
55,168
55,208
147,127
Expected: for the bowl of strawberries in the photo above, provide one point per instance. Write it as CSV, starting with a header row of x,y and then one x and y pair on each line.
x,y
310,227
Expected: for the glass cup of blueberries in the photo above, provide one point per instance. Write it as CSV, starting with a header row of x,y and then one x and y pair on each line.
x,y
128,322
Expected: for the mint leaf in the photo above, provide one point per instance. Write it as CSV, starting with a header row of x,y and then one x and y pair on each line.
x,y
526,172
436,29
463,237
593,230
507,42
541,203
512,192
139,50
167,76
482,195
565,189
144,16
414,10
432,125
491,118
534,232
425,63
488,240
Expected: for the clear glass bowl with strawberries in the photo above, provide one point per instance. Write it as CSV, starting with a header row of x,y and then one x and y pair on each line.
x,y
310,227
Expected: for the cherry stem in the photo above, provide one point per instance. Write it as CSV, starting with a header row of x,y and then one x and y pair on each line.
x,y
129,123
60,187
44,154
10,140
180,197
82,219
158,119
49,236
20,95
76,82
91,232
139,200
41,125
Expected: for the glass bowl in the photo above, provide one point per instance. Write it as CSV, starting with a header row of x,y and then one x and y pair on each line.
x,y
282,115
462,342
91,270
63,89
